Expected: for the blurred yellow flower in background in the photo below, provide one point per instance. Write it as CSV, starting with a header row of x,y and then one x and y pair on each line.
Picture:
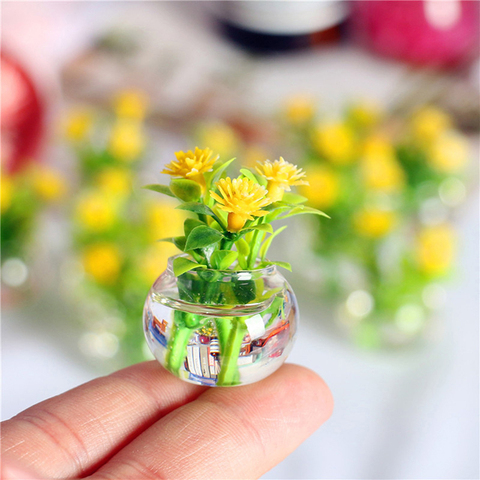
x,y
96,211
336,142
103,262
323,187
365,113
6,191
155,260
192,165
116,181
221,138
428,122
242,198
48,184
300,109
281,175
374,222
127,140
78,124
435,249
379,166
164,220
131,104
449,152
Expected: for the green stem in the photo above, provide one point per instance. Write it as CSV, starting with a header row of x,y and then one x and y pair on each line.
x,y
177,348
229,356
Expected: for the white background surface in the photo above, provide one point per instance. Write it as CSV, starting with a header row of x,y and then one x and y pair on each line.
x,y
412,414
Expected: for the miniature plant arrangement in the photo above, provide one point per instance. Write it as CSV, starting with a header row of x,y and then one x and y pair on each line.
x,y
221,314
115,256
391,184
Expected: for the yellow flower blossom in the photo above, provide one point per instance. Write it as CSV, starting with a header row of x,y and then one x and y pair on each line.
x,y
127,140
280,175
299,109
192,165
435,249
155,260
365,114
103,262
6,192
131,104
221,138
449,152
78,124
243,199
323,188
96,211
379,166
48,184
164,220
116,181
335,142
429,122
373,222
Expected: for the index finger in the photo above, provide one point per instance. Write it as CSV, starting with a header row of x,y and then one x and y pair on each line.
x,y
72,434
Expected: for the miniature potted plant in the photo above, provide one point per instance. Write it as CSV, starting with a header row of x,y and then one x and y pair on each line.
x,y
221,314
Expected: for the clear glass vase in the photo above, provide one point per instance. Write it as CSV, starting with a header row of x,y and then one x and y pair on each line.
x,y
221,328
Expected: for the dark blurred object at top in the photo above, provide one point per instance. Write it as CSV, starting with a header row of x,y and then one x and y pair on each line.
x,y
22,122
428,33
266,27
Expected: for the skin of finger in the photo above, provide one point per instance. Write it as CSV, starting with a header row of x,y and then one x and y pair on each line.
x,y
238,432
72,434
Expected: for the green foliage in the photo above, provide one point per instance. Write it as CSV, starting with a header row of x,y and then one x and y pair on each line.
x,y
201,237
182,265
186,190
160,189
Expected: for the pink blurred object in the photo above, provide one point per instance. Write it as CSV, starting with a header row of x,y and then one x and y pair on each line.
x,y
430,32
22,121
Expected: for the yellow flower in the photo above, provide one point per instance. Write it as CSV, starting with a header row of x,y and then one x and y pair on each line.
x,y
323,188
243,199
103,262
116,181
365,114
6,192
336,142
280,175
164,220
299,109
96,211
127,140
435,249
221,138
449,152
131,104
429,122
373,222
48,184
155,260
78,124
192,165
380,167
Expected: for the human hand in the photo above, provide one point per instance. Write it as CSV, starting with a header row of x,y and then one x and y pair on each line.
x,y
143,423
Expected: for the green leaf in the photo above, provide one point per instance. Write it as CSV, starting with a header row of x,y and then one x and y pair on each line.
x,y
263,227
247,173
202,236
179,242
160,189
196,207
245,291
301,209
182,265
185,189
294,198
243,247
280,264
268,241
222,259
190,224
217,173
